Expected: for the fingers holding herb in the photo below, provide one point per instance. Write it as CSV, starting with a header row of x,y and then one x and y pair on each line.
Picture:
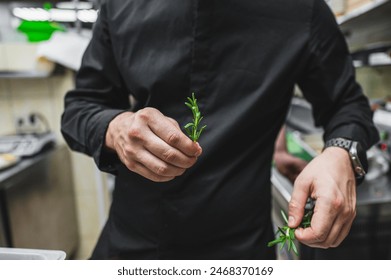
x,y
326,230
297,204
168,130
330,179
151,144
286,235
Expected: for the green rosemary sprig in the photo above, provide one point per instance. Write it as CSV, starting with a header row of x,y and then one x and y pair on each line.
x,y
192,128
287,234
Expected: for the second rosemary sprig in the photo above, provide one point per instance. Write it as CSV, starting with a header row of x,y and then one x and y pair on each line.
x,y
286,235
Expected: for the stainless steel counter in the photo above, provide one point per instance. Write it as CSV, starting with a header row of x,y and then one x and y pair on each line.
x,y
37,202
23,165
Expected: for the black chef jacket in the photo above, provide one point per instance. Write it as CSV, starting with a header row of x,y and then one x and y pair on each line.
x,y
242,58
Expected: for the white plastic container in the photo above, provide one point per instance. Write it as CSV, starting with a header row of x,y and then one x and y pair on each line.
x,y
30,254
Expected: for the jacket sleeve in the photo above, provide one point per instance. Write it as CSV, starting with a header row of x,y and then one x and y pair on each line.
x,y
99,96
329,83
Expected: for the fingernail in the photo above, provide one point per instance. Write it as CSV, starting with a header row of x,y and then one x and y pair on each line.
x,y
291,220
298,233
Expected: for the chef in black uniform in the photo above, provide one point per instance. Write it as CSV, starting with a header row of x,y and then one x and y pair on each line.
x,y
177,199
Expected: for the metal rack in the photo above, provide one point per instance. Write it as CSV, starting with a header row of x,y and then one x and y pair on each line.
x,y
368,31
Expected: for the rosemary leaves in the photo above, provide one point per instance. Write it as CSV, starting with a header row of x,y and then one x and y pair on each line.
x,y
191,128
287,234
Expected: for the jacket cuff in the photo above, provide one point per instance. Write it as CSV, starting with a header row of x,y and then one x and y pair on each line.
x,y
351,132
105,159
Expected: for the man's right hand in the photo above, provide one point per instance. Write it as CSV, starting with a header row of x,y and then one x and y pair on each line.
x,y
151,144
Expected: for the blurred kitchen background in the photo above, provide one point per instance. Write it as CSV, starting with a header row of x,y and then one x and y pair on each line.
x,y
51,198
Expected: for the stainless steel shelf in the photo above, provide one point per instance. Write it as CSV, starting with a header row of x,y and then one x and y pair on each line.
x,y
361,11
24,74
368,26
373,56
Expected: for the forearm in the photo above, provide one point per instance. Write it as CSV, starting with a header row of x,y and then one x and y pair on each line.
x,y
280,144
353,120
100,95
84,126
330,85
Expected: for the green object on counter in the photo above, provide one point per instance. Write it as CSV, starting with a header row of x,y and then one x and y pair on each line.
x,y
294,147
37,31
384,135
47,5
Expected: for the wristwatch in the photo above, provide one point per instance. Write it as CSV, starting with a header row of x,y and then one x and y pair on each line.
x,y
357,154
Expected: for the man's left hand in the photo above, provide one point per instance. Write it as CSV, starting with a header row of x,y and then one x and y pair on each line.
x,y
329,180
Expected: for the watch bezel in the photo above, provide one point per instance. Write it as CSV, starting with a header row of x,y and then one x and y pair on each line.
x,y
358,167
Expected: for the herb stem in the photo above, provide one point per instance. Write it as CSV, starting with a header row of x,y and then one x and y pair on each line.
x,y
191,128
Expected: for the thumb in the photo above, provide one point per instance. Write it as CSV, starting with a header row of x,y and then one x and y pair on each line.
x,y
298,201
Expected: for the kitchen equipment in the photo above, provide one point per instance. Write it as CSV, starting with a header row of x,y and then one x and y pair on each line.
x,y
26,145
37,203
30,254
8,160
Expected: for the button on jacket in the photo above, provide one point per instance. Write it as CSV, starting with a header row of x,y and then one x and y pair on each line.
x,y
242,58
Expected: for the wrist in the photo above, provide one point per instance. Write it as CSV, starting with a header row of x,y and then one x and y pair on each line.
x,y
338,153
113,129
340,156
354,152
109,142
